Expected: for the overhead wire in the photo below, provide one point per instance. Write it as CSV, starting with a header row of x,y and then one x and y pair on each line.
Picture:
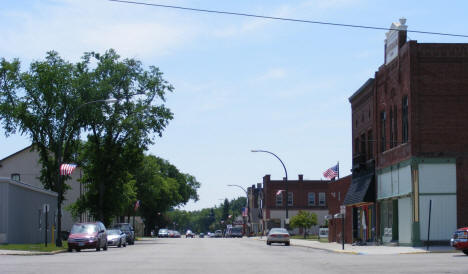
x,y
283,18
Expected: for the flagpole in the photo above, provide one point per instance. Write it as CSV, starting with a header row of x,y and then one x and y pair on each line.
x,y
338,165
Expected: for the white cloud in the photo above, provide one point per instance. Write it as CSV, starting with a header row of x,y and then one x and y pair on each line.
x,y
72,28
273,74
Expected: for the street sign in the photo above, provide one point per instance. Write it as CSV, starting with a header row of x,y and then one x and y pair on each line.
x,y
343,209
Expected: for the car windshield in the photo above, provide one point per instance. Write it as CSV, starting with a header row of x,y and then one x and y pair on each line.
x,y
113,232
278,230
163,230
236,229
83,228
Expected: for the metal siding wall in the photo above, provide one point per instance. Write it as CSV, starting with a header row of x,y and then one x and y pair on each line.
x,y
443,216
3,212
394,178
437,178
404,177
404,220
23,209
384,184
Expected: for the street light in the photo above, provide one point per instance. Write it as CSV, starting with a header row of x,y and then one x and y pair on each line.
x,y
246,202
286,174
58,241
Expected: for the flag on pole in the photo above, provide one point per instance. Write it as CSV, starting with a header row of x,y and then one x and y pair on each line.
x,y
331,172
279,192
137,205
67,169
245,211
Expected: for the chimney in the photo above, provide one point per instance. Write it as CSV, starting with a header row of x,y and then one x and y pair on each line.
x,y
301,177
259,185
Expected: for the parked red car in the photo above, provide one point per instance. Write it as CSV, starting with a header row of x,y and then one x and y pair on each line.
x,y
87,235
460,240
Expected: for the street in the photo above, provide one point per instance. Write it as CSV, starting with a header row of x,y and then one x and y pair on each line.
x,y
228,256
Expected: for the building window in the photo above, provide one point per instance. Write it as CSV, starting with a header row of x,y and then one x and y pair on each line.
x,y
363,146
404,120
383,121
279,199
395,128
16,177
311,198
322,199
370,145
356,146
290,199
391,127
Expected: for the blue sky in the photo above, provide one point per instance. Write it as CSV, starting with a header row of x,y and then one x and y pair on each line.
x,y
240,83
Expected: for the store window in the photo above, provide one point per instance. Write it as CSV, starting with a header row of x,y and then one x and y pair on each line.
x,y
290,199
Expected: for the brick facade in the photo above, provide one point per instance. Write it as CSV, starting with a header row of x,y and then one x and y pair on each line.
x,y
335,198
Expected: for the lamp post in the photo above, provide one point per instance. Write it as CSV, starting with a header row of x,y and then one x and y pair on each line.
x,y
58,241
286,176
246,205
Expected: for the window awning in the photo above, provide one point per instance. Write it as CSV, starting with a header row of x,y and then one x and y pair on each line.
x,y
361,190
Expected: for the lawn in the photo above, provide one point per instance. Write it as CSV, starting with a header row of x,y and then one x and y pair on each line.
x,y
310,238
34,247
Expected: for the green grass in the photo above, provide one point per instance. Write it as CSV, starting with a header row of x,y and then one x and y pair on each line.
x,y
35,247
310,238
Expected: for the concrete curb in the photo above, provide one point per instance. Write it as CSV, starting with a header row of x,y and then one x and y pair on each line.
x,y
29,253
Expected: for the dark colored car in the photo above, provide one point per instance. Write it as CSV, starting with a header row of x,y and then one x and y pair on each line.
x,y
87,235
236,232
128,230
460,240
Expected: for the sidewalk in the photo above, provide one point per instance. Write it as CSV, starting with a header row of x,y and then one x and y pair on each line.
x,y
368,250
28,253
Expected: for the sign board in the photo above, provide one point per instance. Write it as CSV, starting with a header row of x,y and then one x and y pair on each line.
x,y
391,42
343,209
45,208
286,221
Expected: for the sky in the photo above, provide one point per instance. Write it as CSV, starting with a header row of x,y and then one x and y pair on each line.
x,y
241,83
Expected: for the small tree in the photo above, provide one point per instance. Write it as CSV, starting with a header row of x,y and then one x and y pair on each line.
x,y
304,220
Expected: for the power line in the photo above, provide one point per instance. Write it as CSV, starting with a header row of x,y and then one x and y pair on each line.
x,y
283,18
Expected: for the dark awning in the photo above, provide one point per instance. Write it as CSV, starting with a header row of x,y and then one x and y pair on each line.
x,y
361,190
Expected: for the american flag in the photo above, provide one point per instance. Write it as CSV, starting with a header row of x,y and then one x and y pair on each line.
x,y
67,169
279,192
245,211
331,172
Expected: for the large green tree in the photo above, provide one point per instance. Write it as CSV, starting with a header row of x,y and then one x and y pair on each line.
x,y
46,103
119,133
160,187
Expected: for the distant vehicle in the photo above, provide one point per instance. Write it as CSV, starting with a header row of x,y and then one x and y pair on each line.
x,y
115,237
210,234
176,234
236,232
128,230
278,235
218,234
87,235
189,234
323,232
459,240
171,233
201,235
163,233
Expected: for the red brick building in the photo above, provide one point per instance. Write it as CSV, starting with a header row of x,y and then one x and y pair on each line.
x,y
336,195
308,195
416,128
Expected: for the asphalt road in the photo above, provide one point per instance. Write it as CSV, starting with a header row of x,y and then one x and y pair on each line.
x,y
228,256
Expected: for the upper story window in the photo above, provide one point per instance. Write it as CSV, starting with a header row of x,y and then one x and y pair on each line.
x,y
311,198
356,146
383,122
404,120
290,199
322,201
370,145
390,126
16,177
279,199
363,145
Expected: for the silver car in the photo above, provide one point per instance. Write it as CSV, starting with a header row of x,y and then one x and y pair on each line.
x,y
116,237
278,235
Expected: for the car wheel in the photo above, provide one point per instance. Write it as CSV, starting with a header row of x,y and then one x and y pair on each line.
x,y
287,243
98,246
125,244
78,250
268,243
105,247
465,251
70,249
120,243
